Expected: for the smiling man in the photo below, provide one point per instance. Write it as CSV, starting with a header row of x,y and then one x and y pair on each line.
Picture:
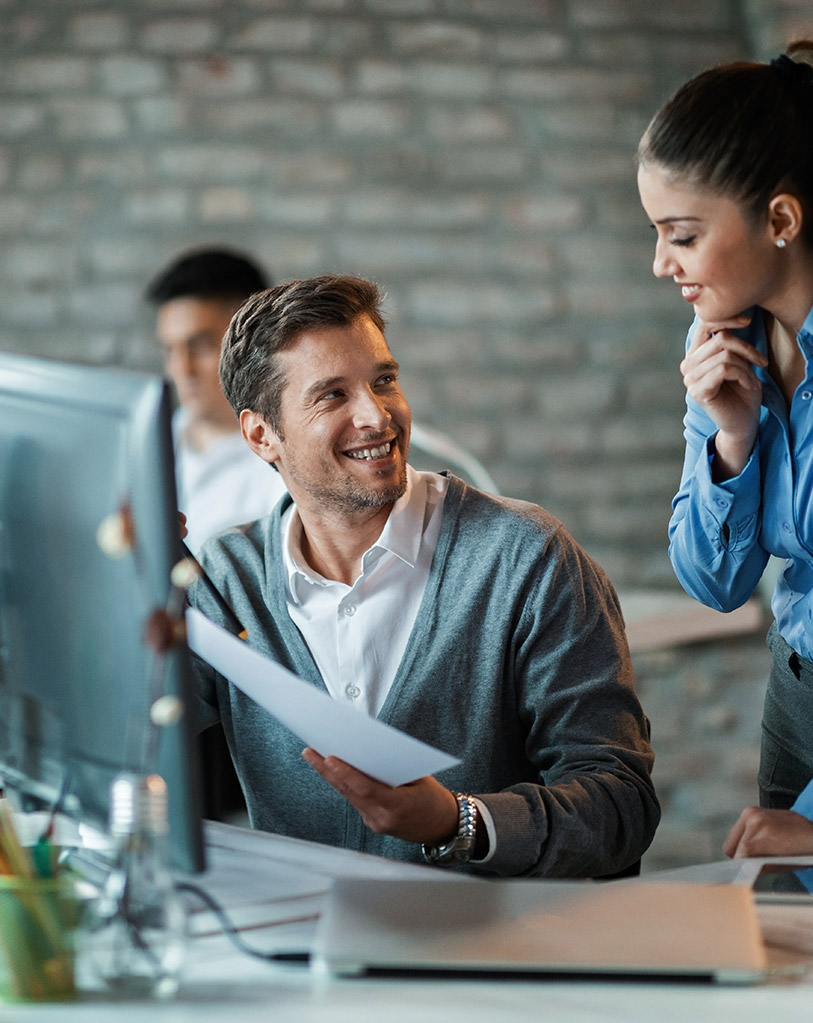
x,y
472,622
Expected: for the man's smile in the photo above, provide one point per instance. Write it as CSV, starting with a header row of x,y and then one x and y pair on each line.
x,y
369,454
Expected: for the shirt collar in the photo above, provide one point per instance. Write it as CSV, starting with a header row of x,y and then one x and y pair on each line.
x,y
401,536
807,326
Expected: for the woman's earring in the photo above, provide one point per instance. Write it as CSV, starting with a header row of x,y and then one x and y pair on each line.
x,y
780,243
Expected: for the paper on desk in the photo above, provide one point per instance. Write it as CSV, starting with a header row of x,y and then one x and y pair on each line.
x,y
320,721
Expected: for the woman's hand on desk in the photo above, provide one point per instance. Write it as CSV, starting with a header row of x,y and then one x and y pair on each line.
x,y
761,832
421,811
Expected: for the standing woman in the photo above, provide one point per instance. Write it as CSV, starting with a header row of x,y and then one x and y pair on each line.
x,y
725,174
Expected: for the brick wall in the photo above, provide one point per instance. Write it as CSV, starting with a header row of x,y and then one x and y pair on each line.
x,y
473,156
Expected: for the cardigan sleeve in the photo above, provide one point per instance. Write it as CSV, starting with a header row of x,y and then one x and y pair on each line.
x,y
592,810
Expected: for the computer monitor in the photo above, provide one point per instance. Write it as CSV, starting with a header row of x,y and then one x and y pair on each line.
x,y
77,681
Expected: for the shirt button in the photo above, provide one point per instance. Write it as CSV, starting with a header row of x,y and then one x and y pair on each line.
x,y
807,395
786,527
349,610
721,502
352,691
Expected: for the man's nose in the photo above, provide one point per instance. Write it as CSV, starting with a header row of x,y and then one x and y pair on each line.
x,y
179,361
370,411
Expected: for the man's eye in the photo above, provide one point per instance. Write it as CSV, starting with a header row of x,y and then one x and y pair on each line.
x,y
388,378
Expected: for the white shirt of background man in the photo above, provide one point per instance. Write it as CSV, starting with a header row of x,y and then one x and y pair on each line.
x,y
225,485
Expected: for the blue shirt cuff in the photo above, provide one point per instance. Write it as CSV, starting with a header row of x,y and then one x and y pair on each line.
x,y
804,802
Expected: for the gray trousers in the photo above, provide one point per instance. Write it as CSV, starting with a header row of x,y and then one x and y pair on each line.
x,y
786,760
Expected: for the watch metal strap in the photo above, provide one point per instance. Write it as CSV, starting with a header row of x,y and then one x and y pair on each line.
x,y
459,849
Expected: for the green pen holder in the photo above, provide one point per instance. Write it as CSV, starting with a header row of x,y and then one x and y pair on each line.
x,y
38,921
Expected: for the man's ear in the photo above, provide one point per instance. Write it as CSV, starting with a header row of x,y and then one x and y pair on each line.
x,y
259,435
785,216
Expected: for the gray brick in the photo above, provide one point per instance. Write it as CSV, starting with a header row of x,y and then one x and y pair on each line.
x,y
531,47
402,207
379,75
98,31
120,167
444,81
305,77
162,114
179,35
37,264
104,304
484,165
131,76
257,116
295,210
470,124
440,301
156,206
226,205
693,15
578,396
211,162
406,252
552,212
219,76
310,169
276,34
438,38
20,119
131,258
90,119
366,117
29,309
40,172
345,37
46,74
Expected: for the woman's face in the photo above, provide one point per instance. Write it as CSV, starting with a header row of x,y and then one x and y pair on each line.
x,y
722,261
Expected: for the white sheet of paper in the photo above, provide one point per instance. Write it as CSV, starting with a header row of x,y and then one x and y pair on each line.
x,y
320,721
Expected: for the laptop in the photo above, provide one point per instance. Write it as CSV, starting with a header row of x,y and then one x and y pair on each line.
x,y
630,929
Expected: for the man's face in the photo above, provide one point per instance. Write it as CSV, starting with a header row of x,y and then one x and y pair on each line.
x,y
344,421
190,331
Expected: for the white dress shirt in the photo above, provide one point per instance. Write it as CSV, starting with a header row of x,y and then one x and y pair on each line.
x,y
341,624
226,485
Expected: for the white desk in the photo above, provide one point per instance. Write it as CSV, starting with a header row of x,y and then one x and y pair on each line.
x,y
267,878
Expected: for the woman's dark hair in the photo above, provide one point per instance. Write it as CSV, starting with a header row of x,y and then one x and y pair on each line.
x,y
743,130
272,320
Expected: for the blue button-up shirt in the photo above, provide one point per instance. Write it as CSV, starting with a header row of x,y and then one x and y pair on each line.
x,y
721,534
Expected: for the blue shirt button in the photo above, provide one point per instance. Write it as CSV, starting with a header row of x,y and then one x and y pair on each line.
x,y
807,395
721,502
786,527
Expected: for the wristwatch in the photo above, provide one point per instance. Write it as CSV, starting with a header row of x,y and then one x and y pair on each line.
x,y
459,849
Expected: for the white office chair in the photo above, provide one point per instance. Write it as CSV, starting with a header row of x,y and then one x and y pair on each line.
x,y
434,451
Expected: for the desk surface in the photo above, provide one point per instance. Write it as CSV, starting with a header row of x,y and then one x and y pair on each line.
x,y
274,887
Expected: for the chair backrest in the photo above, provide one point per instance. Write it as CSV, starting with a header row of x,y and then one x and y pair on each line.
x,y
434,451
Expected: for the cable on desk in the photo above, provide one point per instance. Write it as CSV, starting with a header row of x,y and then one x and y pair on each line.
x,y
233,934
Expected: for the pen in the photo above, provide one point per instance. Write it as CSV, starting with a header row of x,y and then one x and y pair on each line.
x,y
233,623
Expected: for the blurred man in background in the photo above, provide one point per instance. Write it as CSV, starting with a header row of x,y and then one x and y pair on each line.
x,y
221,482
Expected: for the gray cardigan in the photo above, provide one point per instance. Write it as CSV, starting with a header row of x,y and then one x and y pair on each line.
x,y
517,664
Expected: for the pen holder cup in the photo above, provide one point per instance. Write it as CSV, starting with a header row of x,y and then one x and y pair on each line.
x,y
38,921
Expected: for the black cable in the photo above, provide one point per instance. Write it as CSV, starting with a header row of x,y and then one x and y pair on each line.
x,y
233,934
